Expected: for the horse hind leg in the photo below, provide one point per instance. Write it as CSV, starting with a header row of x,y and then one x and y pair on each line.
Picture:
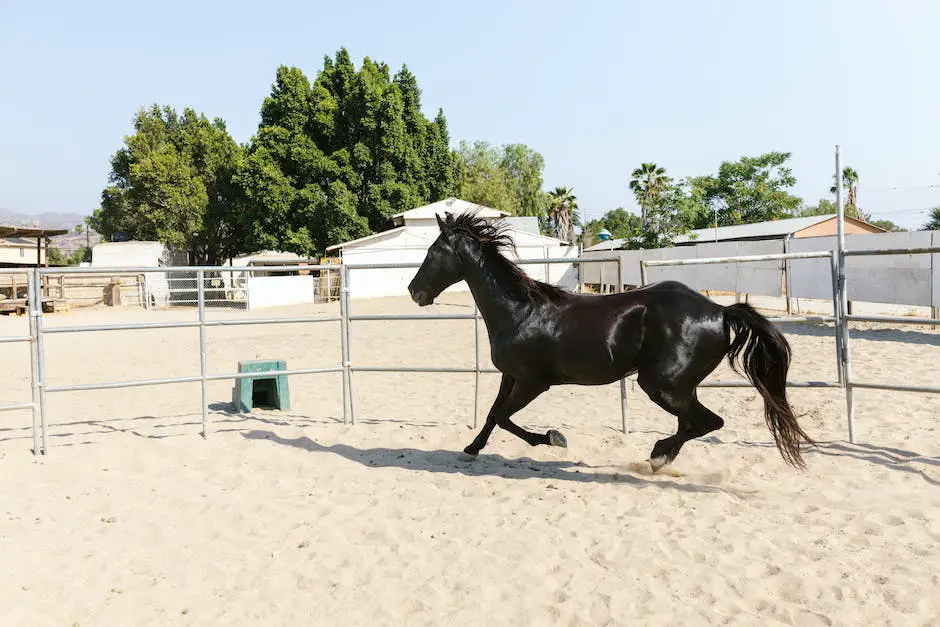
x,y
695,420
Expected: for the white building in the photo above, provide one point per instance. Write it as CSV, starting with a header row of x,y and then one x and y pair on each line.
x,y
262,288
413,233
137,254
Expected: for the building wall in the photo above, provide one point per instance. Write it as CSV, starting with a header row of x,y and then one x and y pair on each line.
x,y
411,245
831,227
20,252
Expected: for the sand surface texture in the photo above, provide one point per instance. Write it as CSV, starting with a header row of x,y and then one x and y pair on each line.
x,y
292,517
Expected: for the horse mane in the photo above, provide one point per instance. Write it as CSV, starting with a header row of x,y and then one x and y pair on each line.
x,y
493,239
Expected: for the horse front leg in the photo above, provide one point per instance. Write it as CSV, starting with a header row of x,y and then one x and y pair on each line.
x,y
520,394
473,449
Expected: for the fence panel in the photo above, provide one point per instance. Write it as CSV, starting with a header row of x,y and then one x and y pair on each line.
x,y
892,279
764,277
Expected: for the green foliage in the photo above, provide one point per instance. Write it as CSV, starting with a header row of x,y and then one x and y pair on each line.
x,y
887,225
648,184
667,208
508,178
563,213
669,214
621,224
933,222
850,184
752,189
171,182
57,257
480,179
823,208
333,160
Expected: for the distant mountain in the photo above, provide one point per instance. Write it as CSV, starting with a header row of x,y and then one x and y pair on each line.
x,y
53,220
48,220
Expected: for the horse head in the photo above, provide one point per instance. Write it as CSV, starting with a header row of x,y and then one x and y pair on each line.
x,y
442,266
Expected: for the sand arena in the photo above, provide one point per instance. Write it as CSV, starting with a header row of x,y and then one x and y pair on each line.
x,y
294,518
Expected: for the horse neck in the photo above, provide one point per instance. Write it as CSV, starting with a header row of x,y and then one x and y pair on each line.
x,y
498,294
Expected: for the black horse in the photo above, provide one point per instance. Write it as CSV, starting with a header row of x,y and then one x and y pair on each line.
x,y
541,335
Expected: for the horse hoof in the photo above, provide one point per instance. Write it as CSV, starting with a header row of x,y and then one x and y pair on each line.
x,y
466,457
557,439
658,462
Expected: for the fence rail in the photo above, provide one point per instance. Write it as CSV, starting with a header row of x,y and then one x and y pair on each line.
x,y
37,331
476,370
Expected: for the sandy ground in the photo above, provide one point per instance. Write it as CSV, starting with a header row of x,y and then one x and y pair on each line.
x,y
292,517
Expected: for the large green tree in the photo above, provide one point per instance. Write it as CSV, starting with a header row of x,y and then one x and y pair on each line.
x,y
667,208
333,159
480,177
824,207
670,213
171,182
508,178
752,189
619,222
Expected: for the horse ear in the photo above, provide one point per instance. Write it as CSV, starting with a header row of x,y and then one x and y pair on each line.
x,y
440,222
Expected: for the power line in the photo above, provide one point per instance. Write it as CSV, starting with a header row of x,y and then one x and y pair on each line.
x,y
897,188
890,212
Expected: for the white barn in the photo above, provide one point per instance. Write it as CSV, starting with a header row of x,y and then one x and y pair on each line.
x,y
413,233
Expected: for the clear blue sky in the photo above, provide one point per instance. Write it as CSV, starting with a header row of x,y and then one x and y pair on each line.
x,y
596,87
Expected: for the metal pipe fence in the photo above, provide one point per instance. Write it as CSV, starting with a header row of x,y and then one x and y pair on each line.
x,y
40,387
835,318
38,332
850,383
476,370
31,339
36,338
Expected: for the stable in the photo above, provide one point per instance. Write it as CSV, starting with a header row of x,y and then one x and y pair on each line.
x,y
412,233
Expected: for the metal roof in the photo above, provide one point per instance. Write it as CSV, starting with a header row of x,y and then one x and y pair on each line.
x,y
20,231
610,244
453,206
367,238
524,224
770,228
755,230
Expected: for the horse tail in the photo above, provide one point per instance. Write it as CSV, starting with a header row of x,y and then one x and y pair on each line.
x,y
766,357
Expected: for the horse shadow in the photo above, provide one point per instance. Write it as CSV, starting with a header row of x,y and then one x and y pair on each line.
x,y
490,465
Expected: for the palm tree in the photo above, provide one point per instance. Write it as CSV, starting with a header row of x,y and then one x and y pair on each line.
x,y
648,181
563,212
850,184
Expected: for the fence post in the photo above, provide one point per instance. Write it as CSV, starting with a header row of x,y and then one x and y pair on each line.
x,y
838,321
36,313
547,272
623,381
476,374
34,305
344,349
843,305
347,366
201,300
786,274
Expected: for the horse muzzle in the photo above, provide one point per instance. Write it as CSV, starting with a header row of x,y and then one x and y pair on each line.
x,y
421,298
